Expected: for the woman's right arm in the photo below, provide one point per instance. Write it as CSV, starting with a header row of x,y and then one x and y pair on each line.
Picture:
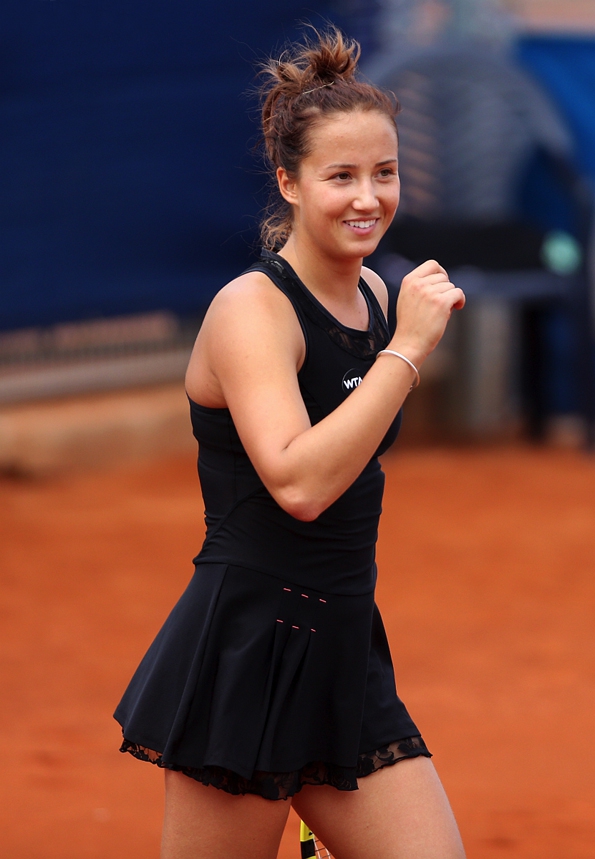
x,y
247,357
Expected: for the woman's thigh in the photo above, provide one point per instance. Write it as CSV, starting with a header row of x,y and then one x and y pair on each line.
x,y
399,812
202,821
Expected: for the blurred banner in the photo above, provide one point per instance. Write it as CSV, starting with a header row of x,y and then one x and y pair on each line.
x,y
565,66
128,181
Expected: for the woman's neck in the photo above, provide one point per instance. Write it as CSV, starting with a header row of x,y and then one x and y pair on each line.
x,y
332,279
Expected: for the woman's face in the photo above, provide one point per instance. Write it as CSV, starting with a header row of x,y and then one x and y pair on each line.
x,y
347,189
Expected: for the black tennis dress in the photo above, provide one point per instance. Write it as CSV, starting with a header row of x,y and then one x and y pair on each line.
x,y
273,669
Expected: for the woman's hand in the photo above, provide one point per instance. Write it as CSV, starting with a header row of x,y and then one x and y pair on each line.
x,y
426,301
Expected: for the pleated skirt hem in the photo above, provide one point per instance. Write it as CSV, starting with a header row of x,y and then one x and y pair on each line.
x,y
253,675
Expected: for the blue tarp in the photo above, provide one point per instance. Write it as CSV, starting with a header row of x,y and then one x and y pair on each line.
x,y
127,179
565,67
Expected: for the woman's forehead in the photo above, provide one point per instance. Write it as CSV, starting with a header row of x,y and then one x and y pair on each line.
x,y
350,132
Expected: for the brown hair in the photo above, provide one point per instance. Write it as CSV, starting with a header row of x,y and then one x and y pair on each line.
x,y
307,82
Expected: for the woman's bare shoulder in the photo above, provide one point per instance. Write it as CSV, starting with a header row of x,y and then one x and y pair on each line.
x,y
250,322
378,287
250,286
251,298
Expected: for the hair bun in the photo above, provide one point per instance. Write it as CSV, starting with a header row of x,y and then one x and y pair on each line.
x,y
332,58
322,61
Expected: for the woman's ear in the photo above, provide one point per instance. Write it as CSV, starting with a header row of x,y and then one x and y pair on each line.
x,y
287,185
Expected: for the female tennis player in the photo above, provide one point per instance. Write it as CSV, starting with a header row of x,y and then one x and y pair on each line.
x,y
272,678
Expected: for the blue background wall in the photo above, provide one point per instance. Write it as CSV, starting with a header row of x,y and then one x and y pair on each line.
x,y
127,180
565,67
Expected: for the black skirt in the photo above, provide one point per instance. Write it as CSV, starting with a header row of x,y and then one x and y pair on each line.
x,y
255,685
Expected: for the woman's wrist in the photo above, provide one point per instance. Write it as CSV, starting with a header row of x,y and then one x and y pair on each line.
x,y
412,351
405,359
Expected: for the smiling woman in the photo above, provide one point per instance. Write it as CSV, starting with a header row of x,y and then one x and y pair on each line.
x,y
302,93
272,678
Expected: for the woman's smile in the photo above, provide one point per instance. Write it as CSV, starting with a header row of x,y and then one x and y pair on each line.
x,y
362,227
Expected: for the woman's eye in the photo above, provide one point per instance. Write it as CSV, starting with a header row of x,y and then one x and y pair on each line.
x,y
386,172
342,176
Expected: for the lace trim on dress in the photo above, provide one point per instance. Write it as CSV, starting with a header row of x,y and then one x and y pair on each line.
x,y
362,344
284,785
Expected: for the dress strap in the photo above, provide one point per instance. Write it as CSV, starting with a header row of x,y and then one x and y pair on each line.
x,y
362,344
275,272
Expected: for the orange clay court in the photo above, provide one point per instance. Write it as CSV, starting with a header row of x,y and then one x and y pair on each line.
x,y
487,587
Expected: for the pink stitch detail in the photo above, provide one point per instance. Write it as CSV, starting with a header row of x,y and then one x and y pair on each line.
x,y
321,600
306,595
287,589
279,621
312,630
295,627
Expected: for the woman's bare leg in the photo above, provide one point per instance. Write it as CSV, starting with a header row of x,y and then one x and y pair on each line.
x,y
399,812
203,821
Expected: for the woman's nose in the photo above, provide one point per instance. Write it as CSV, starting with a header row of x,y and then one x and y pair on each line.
x,y
366,198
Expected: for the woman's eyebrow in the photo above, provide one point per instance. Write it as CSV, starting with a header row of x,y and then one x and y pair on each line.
x,y
352,166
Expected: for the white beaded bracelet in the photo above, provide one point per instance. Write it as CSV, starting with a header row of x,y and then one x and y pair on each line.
x,y
407,361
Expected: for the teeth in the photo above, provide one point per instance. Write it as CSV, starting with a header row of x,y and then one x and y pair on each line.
x,y
363,225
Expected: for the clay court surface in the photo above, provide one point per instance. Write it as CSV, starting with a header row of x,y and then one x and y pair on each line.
x,y
487,586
